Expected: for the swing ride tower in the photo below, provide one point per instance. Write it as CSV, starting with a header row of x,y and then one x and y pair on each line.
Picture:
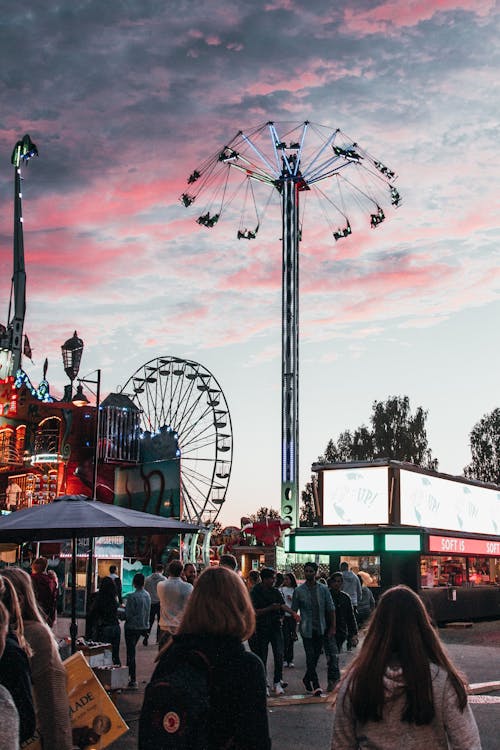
x,y
11,337
290,160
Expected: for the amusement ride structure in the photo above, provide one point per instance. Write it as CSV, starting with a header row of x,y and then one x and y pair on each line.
x,y
287,161
162,444
184,398
11,336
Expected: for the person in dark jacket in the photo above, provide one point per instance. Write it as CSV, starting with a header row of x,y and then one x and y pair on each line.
x,y
45,588
346,626
218,617
103,623
269,608
15,673
113,574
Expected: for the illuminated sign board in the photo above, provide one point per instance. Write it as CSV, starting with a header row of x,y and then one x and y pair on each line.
x,y
402,542
109,546
355,496
439,503
335,543
456,546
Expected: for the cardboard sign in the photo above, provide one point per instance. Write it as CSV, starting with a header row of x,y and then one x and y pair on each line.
x,y
95,720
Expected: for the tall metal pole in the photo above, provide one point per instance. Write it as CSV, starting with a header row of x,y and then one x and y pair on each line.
x,y
96,433
16,325
90,560
73,628
290,348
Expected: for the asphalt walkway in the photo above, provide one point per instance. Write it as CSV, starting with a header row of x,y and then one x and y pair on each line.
x,y
302,725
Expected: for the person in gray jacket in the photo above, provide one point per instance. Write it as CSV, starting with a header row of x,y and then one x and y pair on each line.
x,y
150,585
351,585
317,626
137,609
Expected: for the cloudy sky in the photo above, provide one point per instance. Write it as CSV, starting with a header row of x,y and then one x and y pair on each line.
x,y
125,99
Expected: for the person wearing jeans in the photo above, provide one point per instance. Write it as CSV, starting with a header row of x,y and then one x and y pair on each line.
x,y
317,626
269,608
137,609
151,585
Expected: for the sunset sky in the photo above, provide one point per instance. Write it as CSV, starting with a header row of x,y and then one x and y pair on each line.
x,y
125,99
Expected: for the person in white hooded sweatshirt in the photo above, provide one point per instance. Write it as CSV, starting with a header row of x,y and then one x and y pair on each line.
x,y
402,691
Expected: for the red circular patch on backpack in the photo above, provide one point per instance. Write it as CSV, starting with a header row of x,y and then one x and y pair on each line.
x,y
171,722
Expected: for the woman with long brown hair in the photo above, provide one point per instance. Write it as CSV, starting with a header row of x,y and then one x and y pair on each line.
x,y
47,670
218,617
402,690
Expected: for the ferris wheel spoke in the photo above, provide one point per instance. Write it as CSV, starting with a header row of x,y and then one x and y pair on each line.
x,y
199,422
188,406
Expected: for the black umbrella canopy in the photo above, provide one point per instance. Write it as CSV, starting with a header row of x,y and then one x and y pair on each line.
x,y
75,516
72,516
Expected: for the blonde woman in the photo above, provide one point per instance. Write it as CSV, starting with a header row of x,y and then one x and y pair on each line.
x,y
47,669
218,617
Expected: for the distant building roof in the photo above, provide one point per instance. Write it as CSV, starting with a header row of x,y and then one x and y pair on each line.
x,y
119,400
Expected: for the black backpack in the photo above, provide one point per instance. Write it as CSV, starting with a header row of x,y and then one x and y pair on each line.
x,y
175,712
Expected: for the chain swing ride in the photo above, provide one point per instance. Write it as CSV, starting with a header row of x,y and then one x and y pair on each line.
x,y
285,160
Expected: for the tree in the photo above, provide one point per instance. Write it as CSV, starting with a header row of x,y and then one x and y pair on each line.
x,y
262,513
395,433
308,515
485,449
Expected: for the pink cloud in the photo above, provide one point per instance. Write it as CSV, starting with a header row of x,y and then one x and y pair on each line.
x,y
309,74
401,14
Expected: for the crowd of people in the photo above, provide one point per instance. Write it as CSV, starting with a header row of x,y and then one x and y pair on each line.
x,y
213,634
400,690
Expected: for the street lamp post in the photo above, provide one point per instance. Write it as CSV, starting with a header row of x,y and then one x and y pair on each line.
x,y
80,399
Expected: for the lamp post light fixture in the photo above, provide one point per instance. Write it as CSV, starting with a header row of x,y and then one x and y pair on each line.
x,y
72,350
79,400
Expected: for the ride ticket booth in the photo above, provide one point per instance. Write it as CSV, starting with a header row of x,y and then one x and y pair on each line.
x,y
394,522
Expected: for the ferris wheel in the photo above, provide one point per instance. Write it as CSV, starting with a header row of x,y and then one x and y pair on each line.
x,y
183,396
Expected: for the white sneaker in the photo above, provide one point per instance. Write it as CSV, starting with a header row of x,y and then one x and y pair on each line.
x,y
278,689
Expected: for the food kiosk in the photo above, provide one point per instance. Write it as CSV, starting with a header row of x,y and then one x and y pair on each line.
x,y
398,523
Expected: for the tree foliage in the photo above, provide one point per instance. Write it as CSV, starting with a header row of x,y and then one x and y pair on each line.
x,y
485,449
262,513
394,433
308,515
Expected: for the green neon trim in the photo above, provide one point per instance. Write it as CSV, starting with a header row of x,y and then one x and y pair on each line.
x,y
402,542
335,543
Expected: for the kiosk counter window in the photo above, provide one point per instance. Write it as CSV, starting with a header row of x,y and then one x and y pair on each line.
x,y
442,571
484,570
368,567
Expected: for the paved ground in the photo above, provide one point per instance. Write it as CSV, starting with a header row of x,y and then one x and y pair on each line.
x,y
476,651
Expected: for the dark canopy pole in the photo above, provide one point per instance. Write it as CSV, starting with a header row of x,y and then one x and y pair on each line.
x,y
81,400
90,563
73,628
